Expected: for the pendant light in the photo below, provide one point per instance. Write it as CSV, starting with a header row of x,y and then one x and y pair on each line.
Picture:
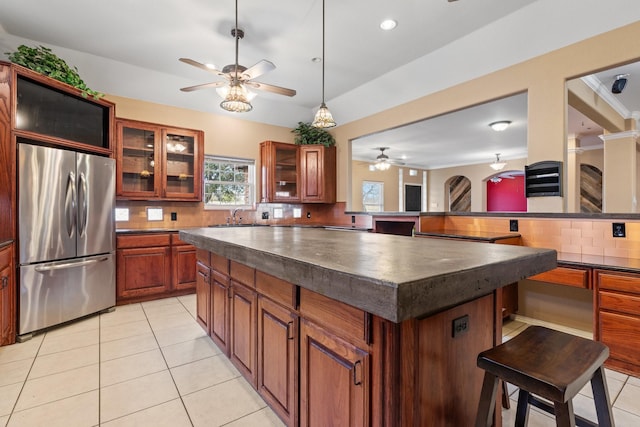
x,y
323,117
236,100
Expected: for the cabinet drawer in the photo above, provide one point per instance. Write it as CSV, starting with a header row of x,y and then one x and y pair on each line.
x,y
220,263
204,256
176,241
565,276
143,240
621,333
5,256
243,274
343,319
620,303
617,281
276,289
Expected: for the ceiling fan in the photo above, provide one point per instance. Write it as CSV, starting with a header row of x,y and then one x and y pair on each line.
x,y
383,162
237,78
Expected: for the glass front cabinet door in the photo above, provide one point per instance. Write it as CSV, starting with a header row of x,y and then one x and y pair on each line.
x,y
156,162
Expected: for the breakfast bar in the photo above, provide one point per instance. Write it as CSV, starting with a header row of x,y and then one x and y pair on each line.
x,y
356,328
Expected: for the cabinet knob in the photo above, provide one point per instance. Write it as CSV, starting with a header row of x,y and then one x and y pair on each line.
x,y
4,282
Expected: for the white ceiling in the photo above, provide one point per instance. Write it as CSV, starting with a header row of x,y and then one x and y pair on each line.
x,y
131,48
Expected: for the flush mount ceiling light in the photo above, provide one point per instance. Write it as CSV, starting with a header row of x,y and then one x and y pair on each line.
x,y
388,24
500,126
323,117
497,164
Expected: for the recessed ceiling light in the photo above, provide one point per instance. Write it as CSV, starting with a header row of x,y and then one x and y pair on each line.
x,y
316,59
388,24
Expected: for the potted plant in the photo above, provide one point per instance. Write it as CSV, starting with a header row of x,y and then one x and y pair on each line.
x,y
42,60
306,134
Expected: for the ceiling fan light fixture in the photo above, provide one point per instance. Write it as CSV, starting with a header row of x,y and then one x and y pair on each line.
x,y
497,165
383,165
323,118
499,126
223,91
236,100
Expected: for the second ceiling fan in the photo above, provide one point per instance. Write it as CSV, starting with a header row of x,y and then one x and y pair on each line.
x,y
237,77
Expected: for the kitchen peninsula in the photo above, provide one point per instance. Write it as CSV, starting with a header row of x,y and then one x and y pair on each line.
x,y
356,328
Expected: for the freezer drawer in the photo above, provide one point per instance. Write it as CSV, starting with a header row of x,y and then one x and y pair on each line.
x,y
56,292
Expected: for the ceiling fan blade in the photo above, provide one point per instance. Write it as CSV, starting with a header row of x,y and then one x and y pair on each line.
x,y
258,69
271,88
201,66
203,86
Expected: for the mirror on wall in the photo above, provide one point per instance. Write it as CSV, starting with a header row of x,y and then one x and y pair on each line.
x,y
430,152
603,103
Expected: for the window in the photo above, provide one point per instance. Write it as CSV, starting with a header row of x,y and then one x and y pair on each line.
x,y
373,196
228,182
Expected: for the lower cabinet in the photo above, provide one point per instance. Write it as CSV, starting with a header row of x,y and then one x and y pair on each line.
x,y
7,297
203,296
219,316
334,380
153,265
618,317
278,358
243,331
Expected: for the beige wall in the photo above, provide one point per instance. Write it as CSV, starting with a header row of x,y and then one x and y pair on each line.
x,y
542,77
360,172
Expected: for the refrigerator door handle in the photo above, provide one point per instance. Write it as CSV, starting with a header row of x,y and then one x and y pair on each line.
x,y
70,203
62,266
82,205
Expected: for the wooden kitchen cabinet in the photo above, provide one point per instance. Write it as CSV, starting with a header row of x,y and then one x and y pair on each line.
x,y
579,277
220,302
243,325
203,296
152,266
318,174
334,379
156,162
617,320
297,173
7,297
278,358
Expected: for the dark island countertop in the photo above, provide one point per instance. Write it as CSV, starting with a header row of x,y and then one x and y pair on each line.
x,y
394,277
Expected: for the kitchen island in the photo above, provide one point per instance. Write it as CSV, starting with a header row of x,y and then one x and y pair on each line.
x,y
356,328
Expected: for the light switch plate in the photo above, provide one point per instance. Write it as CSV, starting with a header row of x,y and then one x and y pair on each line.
x,y
278,213
122,214
297,213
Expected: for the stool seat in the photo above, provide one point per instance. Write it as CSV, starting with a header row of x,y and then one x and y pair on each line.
x,y
550,364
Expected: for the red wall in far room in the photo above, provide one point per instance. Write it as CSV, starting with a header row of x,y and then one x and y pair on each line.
x,y
506,195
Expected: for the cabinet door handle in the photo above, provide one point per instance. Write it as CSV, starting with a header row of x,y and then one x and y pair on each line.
x,y
357,381
229,292
5,282
290,334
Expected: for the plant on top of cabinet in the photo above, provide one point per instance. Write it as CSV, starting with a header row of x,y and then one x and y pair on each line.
x,y
42,60
307,134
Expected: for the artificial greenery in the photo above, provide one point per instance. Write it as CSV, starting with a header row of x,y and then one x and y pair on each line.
x,y
306,134
42,60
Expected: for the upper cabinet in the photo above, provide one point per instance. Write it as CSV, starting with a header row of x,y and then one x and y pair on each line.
x,y
158,162
297,173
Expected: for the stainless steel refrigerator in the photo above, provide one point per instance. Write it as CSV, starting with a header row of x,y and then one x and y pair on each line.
x,y
66,236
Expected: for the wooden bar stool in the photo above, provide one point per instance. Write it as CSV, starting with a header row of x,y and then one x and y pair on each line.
x,y
549,364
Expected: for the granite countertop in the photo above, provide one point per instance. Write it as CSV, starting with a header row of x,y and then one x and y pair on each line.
x,y
475,235
394,277
599,261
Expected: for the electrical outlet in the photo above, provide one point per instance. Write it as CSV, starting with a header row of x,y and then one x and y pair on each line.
x,y
174,216
265,215
513,225
460,325
619,229
353,219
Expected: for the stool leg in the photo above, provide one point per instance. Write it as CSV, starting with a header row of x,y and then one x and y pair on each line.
x,y
522,410
505,396
564,414
601,398
487,403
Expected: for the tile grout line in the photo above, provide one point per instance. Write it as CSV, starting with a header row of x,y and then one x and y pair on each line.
x,y
24,383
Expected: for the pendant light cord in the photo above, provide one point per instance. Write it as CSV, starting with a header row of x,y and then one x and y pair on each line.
x,y
323,61
237,38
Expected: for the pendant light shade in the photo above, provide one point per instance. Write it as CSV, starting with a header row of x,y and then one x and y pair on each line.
x,y
497,164
323,118
237,100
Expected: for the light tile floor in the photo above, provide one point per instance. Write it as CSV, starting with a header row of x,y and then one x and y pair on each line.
x,y
150,364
